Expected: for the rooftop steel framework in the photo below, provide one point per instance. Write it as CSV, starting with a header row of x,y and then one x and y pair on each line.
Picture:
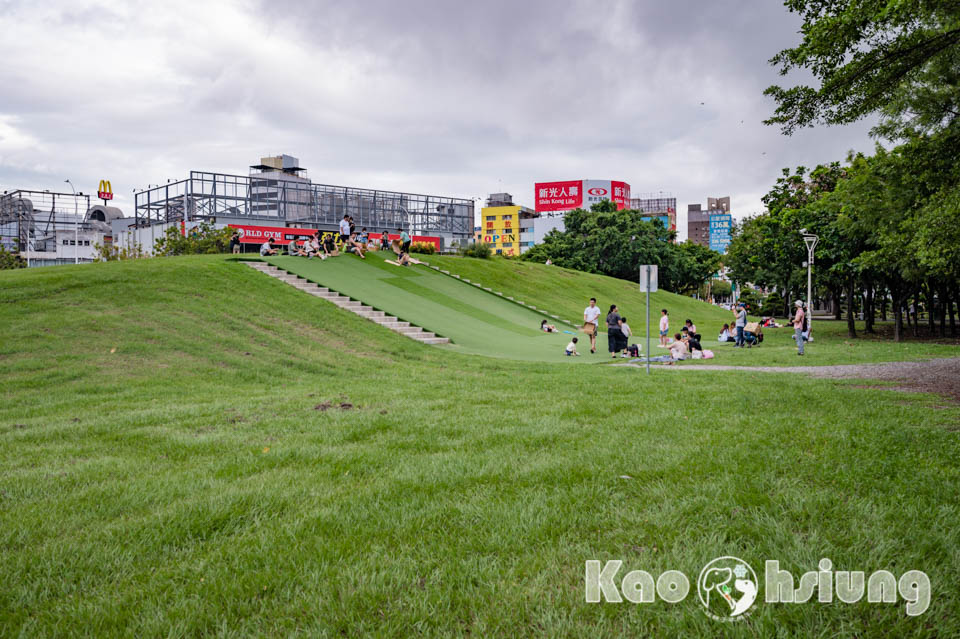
x,y
278,198
29,219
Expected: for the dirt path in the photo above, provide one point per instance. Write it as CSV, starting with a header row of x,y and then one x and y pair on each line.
x,y
941,376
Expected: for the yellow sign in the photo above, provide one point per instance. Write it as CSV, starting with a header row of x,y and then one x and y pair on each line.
x,y
105,191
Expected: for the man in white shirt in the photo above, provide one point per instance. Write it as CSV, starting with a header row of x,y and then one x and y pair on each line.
x,y
267,248
344,229
591,319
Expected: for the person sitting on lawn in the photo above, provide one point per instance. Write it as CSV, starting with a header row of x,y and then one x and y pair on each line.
x,y
355,246
678,349
693,342
294,250
691,327
572,347
547,328
267,248
313,248
330,246
725,335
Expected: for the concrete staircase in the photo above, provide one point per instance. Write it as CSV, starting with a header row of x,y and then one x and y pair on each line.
x,y
379,317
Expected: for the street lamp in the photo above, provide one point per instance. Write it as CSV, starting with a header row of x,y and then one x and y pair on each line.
x,y
76,225
811,241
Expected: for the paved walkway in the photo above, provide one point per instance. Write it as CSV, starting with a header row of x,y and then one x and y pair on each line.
x,y
940,376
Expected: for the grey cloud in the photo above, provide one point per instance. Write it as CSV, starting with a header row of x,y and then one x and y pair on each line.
x,y
450,97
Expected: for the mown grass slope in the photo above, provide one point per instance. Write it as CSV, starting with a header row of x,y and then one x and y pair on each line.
x,y
189,448
567,291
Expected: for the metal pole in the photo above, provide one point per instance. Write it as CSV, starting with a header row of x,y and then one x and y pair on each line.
x,y
76,225
648,319
810,290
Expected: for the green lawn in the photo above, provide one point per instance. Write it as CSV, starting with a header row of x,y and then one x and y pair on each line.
x,y
567,291
175,461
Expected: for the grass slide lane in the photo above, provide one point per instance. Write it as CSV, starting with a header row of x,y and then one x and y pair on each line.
x,y
476,321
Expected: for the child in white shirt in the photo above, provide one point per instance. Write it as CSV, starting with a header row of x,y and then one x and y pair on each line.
x,y
572,347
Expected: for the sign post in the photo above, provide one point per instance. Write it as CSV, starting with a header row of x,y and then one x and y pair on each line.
x,y
648,283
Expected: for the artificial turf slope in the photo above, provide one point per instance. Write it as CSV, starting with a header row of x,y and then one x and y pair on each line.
x,y
191,449
480,322
475,321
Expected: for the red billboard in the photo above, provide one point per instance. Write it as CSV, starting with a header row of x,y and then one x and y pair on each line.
x,y
282,235
574,194
559,196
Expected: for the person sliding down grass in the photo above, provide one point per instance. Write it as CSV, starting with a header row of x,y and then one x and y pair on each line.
x,y
402,258
547,328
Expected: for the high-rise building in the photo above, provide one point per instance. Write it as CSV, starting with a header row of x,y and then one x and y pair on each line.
x,y
698,225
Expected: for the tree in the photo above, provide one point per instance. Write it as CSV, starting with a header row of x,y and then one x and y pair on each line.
x,y
895,58
611,242
696,265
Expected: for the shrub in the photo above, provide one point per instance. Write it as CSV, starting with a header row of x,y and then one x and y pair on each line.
x,y
772,305
477,249
10,260
111,252
427,248
202,239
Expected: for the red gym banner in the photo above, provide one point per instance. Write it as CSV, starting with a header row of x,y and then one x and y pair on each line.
x,y
282,235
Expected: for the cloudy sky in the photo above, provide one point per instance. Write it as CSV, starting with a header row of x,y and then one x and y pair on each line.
x,y
430,96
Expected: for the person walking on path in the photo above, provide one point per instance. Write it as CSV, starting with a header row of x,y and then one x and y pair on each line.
x,y
741,322
798,321
614,334
591,319
664,327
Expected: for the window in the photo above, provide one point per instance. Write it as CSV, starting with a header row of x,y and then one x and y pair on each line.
x,y
66,242
72,243
507,217
507,244
499,252
86,242
491,217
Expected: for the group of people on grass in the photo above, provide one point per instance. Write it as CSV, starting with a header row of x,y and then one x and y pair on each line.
x,y
618,332
348,241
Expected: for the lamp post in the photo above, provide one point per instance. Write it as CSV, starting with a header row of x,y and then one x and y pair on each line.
x,y
811,241
76,225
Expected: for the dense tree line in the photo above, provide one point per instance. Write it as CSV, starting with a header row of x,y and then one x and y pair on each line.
x,y
615,243
889,223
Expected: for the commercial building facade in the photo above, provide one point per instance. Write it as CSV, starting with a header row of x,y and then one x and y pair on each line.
x,y
710,227
505,226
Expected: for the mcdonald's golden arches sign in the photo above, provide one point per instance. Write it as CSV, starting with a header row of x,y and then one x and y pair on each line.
x,y
105,191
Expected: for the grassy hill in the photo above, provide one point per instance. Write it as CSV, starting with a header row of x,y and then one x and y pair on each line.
x,y
568,291
190,448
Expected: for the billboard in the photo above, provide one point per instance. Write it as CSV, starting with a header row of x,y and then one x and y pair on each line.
x,y
574,194
720,226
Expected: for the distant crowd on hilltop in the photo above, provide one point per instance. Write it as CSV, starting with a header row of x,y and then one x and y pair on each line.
x,y
328,245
